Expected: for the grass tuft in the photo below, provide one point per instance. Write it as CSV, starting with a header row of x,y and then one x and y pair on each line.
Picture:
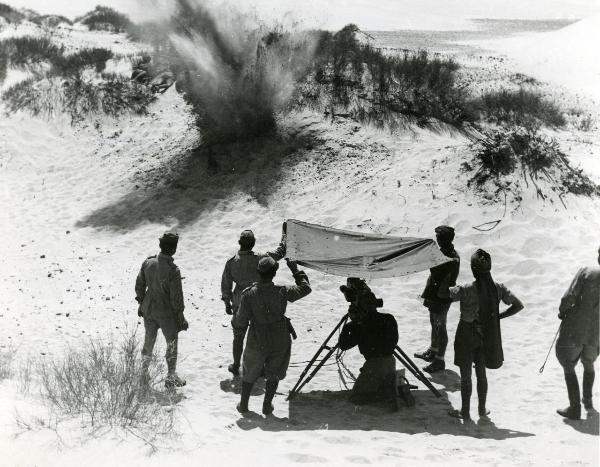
x,y
522,108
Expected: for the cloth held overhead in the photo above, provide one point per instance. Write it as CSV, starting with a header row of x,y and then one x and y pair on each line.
x,y
356,254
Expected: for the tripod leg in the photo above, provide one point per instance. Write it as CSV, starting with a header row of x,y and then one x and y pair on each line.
x,y
410,366
312,361
409,361
298,387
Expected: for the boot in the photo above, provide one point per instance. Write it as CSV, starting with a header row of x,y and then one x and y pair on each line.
x,y
242,407
428,355
572,412
436,365
234,369
588,383
270,389
172,380
144,372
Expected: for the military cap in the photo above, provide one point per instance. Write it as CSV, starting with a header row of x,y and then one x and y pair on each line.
x,y
267,264
169,237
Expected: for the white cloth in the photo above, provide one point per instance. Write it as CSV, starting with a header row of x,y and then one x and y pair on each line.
x,y
356,254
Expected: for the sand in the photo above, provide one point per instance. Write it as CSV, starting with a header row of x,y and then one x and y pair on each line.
x,y
82,207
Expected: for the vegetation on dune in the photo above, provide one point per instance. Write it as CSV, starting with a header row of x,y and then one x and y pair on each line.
x,y
525,151
33,52
59,82
521,107
238,74
51,21
10,14
103,384
103,18
78,97
351,76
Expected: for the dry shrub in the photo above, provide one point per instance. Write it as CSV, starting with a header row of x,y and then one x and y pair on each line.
x,y
102,383
78,97
521,107
27,51
501,153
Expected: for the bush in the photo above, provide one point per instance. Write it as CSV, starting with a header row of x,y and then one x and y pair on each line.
x,y
79,98
10,14
74,63
105,19
522,108
27,50
350,76
104,383
51,21
502,153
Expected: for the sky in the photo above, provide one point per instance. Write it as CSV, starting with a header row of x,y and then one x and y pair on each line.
x,y
368,14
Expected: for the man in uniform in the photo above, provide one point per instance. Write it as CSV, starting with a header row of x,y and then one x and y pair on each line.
x,y
241,269
578,337
160,296
269,346
376,335
440,278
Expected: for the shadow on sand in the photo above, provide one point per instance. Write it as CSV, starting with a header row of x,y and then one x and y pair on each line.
x,y
318,410
449,379
234,386
589,425
181,190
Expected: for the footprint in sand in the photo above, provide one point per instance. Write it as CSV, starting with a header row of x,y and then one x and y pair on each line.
x,y
305,458
358,460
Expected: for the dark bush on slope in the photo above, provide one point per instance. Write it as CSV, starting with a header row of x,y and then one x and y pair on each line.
x,y
103,18
351,76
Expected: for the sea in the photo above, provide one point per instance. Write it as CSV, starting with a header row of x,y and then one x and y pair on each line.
x,y
455,41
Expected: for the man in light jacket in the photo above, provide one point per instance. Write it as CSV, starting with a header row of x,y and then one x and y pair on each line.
x,y
160,296
578,337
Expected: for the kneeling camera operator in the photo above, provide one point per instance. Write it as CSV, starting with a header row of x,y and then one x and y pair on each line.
x,y
376,335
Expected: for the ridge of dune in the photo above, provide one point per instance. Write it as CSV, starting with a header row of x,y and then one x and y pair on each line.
x,y
568,57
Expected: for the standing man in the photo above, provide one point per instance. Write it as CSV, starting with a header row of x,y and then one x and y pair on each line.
x,y
578,337
478,340
376,335
242,269
440,278
158,291
269,346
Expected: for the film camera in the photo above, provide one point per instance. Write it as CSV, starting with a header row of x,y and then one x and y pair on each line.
x,y
357,291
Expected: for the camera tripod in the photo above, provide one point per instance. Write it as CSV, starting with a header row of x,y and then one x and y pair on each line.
x,y
398,353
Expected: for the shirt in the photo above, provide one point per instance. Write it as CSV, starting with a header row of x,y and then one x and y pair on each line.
x,y
469,300
242,269
158,287
579,309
